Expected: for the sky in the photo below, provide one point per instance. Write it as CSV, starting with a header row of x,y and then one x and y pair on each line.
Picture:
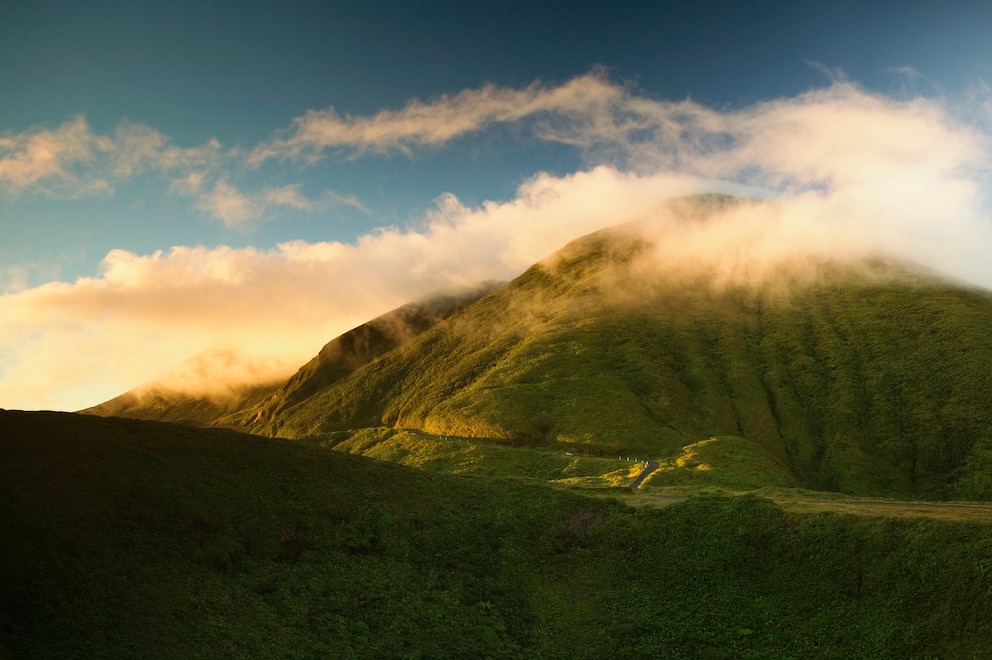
x,y
240,182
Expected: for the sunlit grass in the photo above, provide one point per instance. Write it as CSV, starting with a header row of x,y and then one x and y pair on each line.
x,y
459,455
729,462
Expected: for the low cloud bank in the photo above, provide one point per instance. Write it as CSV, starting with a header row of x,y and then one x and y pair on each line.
x,y
849,172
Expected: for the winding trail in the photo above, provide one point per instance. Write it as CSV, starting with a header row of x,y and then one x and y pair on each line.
x,y
651,467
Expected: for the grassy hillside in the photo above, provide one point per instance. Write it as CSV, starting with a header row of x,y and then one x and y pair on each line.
x,y
127,538
862,378
353,350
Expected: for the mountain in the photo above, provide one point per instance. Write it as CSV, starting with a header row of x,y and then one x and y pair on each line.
x,y
133,538
856,373
251,397
861,375
219,384
355,349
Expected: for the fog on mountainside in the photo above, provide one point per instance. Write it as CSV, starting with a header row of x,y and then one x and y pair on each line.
x,y
209,386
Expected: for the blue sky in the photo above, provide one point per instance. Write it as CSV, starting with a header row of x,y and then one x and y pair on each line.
x,y
163,161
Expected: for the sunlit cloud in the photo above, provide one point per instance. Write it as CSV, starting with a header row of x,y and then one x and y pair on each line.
x,y
280,306
14,279
237,209
51,160
74,161
848,173
422,124
229,205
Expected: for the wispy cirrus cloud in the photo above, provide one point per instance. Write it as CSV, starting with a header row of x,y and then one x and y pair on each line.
x,y
74,161
54,161
238,209
814,139
583,99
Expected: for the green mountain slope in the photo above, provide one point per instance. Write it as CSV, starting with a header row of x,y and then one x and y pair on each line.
x,y
861,377
130,538
355,349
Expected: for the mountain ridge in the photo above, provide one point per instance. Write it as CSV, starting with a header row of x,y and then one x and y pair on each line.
x,y
830,374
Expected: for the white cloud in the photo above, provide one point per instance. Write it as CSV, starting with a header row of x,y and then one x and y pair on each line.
x,y
448,117
853,173
229,205
237,209
155,310
190,184
49,160
288,195
331,198
73,161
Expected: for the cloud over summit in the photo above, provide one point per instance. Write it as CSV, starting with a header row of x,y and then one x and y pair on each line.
x,y
849,172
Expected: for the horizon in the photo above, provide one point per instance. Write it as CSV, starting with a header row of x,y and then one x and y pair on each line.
x,y
264,184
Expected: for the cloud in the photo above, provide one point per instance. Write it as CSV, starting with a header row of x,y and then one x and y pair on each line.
x,y
446,118
49,160
237,209
850,173
74,161
331,198
280,306
230,205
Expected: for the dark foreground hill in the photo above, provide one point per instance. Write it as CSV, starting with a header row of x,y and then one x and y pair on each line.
x,y
859,376
127,538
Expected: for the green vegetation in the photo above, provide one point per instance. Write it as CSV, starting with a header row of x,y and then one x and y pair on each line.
x,y
728,462
454,455
494,518
863,378
127,538
866,378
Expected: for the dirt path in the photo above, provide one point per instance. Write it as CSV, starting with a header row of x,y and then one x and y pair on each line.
x,y
651,467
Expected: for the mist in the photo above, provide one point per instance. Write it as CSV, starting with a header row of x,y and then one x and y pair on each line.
x,y
840,173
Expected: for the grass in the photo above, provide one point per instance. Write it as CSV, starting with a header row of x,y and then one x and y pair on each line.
x,y
864,378
125,538
729,462
475,456
727,467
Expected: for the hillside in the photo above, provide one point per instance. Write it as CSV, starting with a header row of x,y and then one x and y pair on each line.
x,y
862,376
355,349
247,404
127,538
